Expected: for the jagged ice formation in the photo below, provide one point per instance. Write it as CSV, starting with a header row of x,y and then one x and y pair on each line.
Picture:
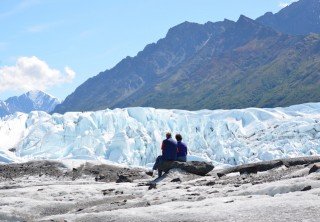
x,y
133,136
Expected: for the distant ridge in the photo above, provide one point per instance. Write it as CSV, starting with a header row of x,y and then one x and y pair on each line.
x,y
31,101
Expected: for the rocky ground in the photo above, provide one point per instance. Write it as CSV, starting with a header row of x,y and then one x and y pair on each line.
x,y
49,191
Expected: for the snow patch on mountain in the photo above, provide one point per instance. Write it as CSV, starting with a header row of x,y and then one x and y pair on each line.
x,y
133,136
3,109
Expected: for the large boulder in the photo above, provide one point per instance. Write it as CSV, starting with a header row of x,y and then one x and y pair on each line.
x,y
194,167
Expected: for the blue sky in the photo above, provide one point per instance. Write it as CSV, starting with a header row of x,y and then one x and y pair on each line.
x,y
55,45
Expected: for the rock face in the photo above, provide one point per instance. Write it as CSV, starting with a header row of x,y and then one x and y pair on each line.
x,y
194,167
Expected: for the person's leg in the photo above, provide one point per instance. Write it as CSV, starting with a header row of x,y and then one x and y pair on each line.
x,y
161,160
155,166
159,173
157,163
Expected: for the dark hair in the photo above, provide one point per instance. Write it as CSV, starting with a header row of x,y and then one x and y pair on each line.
x,y
168,135
178,137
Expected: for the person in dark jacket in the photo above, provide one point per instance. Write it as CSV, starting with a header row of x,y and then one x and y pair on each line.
x,y
182,151
169,148
169,153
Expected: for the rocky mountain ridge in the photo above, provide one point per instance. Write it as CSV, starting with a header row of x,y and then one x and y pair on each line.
x,y
300,18
218,65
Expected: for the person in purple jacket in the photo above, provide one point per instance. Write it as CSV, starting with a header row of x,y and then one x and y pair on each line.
x,y
182,149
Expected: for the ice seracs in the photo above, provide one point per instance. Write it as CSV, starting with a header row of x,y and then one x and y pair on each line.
x,y
132,136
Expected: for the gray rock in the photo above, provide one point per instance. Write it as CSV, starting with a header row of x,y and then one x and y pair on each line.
x,y
252,167
124,179
314,168
152,186
268,165
13,150
307,188
194,167
300,161
175,180
210,183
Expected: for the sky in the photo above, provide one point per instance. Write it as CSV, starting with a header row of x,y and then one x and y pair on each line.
x,y
56,45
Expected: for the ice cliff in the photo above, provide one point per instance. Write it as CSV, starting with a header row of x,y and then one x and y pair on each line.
x,y
133,135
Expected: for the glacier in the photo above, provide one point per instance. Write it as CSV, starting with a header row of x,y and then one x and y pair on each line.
x,y
132,136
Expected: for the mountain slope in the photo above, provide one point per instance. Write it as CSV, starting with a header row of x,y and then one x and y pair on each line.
x,y
261,71
216,65
299,18
30,101
138,74
228,65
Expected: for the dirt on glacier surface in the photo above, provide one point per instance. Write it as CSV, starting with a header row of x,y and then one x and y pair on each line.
x,y
32,192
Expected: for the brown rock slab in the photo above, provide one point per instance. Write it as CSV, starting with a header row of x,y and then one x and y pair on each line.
x,y
194,167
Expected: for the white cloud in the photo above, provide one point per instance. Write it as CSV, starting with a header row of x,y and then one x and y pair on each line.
x,y
31,73
287,3
70,73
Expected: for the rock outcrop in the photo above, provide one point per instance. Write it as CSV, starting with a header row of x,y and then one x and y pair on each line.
x,y
268,165
194,167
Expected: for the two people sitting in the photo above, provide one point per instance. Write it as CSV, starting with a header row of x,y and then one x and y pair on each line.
x,y
171,151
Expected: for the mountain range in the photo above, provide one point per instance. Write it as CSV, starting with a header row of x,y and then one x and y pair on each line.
x,y
31,101
299,18
271,61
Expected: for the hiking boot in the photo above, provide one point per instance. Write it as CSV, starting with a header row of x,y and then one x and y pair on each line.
x,y
149,173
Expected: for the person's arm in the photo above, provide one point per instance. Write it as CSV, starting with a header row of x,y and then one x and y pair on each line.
x,y
162,147
186,149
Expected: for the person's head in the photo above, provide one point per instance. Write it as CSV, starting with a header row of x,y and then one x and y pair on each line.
x,y
178,137
168,135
